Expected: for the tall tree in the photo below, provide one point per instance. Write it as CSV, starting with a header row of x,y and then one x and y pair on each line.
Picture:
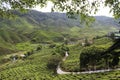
x,y
73,7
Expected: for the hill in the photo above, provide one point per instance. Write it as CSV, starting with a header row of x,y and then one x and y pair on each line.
x,y
107,21
37,42
34,67
49,27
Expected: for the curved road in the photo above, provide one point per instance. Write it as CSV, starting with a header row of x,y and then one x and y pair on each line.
x,y
60,71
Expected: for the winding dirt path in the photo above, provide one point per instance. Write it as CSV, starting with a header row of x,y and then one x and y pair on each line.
x,y
60,71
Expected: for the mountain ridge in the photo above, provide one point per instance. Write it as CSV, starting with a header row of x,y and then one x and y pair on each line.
x,y
42,27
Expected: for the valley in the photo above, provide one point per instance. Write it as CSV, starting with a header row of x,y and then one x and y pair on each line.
x,y
33,44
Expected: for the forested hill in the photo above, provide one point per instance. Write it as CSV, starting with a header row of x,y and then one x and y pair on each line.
x,y
54,19
61,19
107,21
48,19
40,27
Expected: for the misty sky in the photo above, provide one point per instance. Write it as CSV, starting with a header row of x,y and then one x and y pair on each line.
x,y
103,11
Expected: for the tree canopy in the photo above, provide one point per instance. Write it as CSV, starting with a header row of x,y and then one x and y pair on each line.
x,y
72,7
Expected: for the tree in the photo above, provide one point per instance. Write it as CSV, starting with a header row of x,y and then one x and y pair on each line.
x,y
115,61
107,58
86,42
53,62
73,7
90,57
112,36
66,42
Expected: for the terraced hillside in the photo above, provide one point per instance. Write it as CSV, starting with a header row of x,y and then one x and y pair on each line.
x,y
33,44
35,26
35,67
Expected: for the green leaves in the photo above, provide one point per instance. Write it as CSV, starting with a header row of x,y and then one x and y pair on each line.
x,y
115,7
90,56
72,7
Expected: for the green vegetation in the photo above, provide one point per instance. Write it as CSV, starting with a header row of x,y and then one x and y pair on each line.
x,y
92,57
54,61
35,26
36,67
31,48
74,8
26,46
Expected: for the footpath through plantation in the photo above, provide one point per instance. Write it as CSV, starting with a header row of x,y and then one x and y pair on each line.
x,y
60,71
42,63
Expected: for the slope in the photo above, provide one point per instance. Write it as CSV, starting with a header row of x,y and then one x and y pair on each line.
x,y
54,27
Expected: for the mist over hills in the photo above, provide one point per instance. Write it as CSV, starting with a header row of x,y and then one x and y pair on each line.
x,y
107,21
41,27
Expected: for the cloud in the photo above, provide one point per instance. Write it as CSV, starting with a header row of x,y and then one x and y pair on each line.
x,y
47,8
103,11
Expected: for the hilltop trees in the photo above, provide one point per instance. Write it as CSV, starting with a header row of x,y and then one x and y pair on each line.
x,y
90,58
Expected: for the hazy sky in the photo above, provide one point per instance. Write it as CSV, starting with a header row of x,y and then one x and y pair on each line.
x,y
103,11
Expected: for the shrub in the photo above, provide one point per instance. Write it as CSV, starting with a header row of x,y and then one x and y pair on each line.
x,y
53,61
39,48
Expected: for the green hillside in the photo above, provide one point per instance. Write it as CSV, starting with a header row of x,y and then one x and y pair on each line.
x,y
34,67
33,43
35,26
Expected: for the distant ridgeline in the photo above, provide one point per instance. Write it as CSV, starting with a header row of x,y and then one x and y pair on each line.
x,y
39,27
